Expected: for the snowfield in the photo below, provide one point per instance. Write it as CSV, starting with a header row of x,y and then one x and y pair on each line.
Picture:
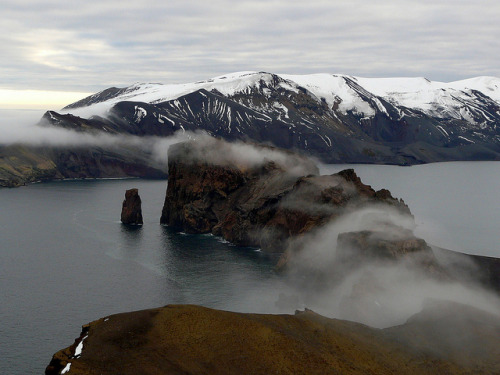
x,y
342,93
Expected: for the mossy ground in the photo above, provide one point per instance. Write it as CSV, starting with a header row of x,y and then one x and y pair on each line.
x,y
195,340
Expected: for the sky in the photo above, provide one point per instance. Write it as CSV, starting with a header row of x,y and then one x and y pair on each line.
x,y
80,47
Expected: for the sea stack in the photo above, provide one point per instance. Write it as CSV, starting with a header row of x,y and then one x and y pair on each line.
x,y
131,208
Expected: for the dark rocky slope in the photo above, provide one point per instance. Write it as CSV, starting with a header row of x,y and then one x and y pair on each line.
x,y
262,205
22,164
196,340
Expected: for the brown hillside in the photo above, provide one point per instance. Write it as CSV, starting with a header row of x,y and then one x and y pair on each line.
x,y
198,340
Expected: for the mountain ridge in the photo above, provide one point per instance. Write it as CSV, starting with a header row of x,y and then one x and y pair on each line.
x,y
188,339
489,86
337,118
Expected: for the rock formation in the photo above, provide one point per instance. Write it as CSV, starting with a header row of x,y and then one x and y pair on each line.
x,y
354,249
276,203
263,204
131,208
197,340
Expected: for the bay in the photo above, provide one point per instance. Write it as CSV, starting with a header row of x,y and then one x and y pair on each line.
x,y
65,259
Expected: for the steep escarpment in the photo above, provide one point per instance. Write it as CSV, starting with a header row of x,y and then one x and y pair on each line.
x,y
262,204
23,164
197,340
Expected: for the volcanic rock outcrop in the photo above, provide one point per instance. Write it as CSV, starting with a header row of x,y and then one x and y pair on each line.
x,y
131,208
275,201
262,204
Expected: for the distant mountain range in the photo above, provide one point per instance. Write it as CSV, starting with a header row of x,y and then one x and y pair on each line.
x,y
337,118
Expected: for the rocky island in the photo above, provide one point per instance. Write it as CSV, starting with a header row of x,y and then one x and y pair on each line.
x,y
277,201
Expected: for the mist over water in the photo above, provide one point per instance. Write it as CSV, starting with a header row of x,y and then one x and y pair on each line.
x,y
22,127
27,127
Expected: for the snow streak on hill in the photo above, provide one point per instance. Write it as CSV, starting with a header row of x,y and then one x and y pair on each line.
x,y
350,93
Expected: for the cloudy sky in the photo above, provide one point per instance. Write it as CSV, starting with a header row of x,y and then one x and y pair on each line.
x,y
85,46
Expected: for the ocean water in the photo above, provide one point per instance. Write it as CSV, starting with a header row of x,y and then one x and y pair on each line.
x,y
65,259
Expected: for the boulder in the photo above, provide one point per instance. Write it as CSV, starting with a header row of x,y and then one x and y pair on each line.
x,y
131,208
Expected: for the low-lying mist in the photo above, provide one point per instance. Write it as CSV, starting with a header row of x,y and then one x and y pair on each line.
x,y
244,155
371,291
24,127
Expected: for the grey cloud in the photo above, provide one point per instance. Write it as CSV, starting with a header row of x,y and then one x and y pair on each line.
x,y
92,45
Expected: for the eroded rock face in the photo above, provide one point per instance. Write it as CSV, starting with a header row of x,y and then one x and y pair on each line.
x,y
131,208
262,204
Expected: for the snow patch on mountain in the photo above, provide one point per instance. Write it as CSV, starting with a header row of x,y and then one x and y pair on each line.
x,y
470,100
335,90
438,99
140,113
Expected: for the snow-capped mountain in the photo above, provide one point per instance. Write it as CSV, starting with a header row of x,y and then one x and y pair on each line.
x,y
338,118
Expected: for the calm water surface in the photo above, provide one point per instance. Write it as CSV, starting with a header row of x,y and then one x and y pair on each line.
x,y
65,259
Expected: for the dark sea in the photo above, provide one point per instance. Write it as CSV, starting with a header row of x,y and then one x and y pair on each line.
x,y
65,258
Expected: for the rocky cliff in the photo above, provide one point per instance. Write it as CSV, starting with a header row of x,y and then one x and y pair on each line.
x,y
443,339
281,205
263,204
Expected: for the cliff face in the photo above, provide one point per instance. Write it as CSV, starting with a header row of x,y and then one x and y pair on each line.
x,y
262,205
197,340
